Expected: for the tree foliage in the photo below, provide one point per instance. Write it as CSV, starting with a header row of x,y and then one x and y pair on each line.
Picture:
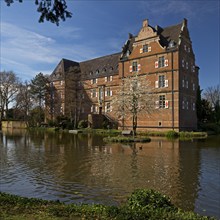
x,y
50,10
38,89
135,96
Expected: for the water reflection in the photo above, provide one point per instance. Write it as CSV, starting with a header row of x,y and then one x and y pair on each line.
x,y
82,168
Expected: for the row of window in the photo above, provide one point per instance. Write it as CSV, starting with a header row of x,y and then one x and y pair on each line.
x,y
163,103
104,70
94,94
107,79
161,62
185,105
95,108
186,65
185,84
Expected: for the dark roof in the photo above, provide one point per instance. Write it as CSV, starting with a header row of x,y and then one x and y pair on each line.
x,y
170,33
104,65
69,63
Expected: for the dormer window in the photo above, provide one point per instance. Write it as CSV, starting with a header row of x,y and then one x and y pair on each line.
x,y
171,44
90,73
127,53
103,70
110,69
97,72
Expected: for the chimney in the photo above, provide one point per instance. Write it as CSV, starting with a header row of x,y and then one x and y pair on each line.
x,y
145,23
185,22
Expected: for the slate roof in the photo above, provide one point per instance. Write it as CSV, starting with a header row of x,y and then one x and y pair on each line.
x,y
109,64
105,65
170,33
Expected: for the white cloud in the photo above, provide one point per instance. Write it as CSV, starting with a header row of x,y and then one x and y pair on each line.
x,y
27,52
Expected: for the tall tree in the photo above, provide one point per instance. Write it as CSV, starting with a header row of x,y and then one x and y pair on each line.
x,y
134,96
50,10
38,89
9,85
23,101
212,95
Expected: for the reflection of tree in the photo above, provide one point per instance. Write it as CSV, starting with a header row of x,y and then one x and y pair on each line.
x,y
70,163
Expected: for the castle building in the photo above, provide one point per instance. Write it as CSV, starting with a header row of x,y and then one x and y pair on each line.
x,y
164,56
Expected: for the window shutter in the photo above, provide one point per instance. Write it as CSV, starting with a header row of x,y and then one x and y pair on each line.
x,y
111,78
91,109
110,108
156,64
105,79
166,83
130,69
139,67
156,84
141,50
183,83
166,104
149,49
110,93
91,94
105,93
106,108
96,80
157,104
96,94
96,108
166,62
91,81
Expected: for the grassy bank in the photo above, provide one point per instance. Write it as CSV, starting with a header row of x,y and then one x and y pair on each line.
x,y
142,204
123,139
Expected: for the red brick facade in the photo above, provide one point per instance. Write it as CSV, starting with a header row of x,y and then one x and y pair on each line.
x,y
164,56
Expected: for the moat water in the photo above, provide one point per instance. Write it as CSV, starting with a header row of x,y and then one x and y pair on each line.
x,y
82,168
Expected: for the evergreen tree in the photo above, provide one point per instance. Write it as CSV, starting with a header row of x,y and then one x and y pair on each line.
x,y
39,86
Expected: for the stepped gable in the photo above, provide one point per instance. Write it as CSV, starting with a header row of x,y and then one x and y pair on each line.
x,y
100,66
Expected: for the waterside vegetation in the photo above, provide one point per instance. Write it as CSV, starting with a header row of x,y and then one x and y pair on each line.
x,y
142,204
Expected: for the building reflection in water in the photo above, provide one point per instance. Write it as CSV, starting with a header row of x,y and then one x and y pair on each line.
x,y
82,168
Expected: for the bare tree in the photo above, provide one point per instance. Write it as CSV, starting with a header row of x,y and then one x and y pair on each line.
x,y
212,95
9,85
23,100
135,96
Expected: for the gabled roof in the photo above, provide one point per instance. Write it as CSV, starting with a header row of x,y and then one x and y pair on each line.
x,y
170,33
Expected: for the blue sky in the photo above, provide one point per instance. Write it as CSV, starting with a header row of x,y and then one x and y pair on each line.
x,y
100,28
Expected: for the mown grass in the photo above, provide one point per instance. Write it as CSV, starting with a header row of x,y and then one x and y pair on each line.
x,y
142,204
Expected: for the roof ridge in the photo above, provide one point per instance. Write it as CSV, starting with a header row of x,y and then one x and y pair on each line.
x,y
114,54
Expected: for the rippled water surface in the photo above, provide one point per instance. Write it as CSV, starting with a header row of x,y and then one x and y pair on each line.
x,y
82,168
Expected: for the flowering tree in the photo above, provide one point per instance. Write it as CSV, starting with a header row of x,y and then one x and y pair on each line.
x,y
134,96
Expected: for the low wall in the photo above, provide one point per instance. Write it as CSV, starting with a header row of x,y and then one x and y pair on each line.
x,y
14,124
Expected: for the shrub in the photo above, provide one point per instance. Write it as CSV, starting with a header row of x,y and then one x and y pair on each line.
x,y
171,134
83,124
150,198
